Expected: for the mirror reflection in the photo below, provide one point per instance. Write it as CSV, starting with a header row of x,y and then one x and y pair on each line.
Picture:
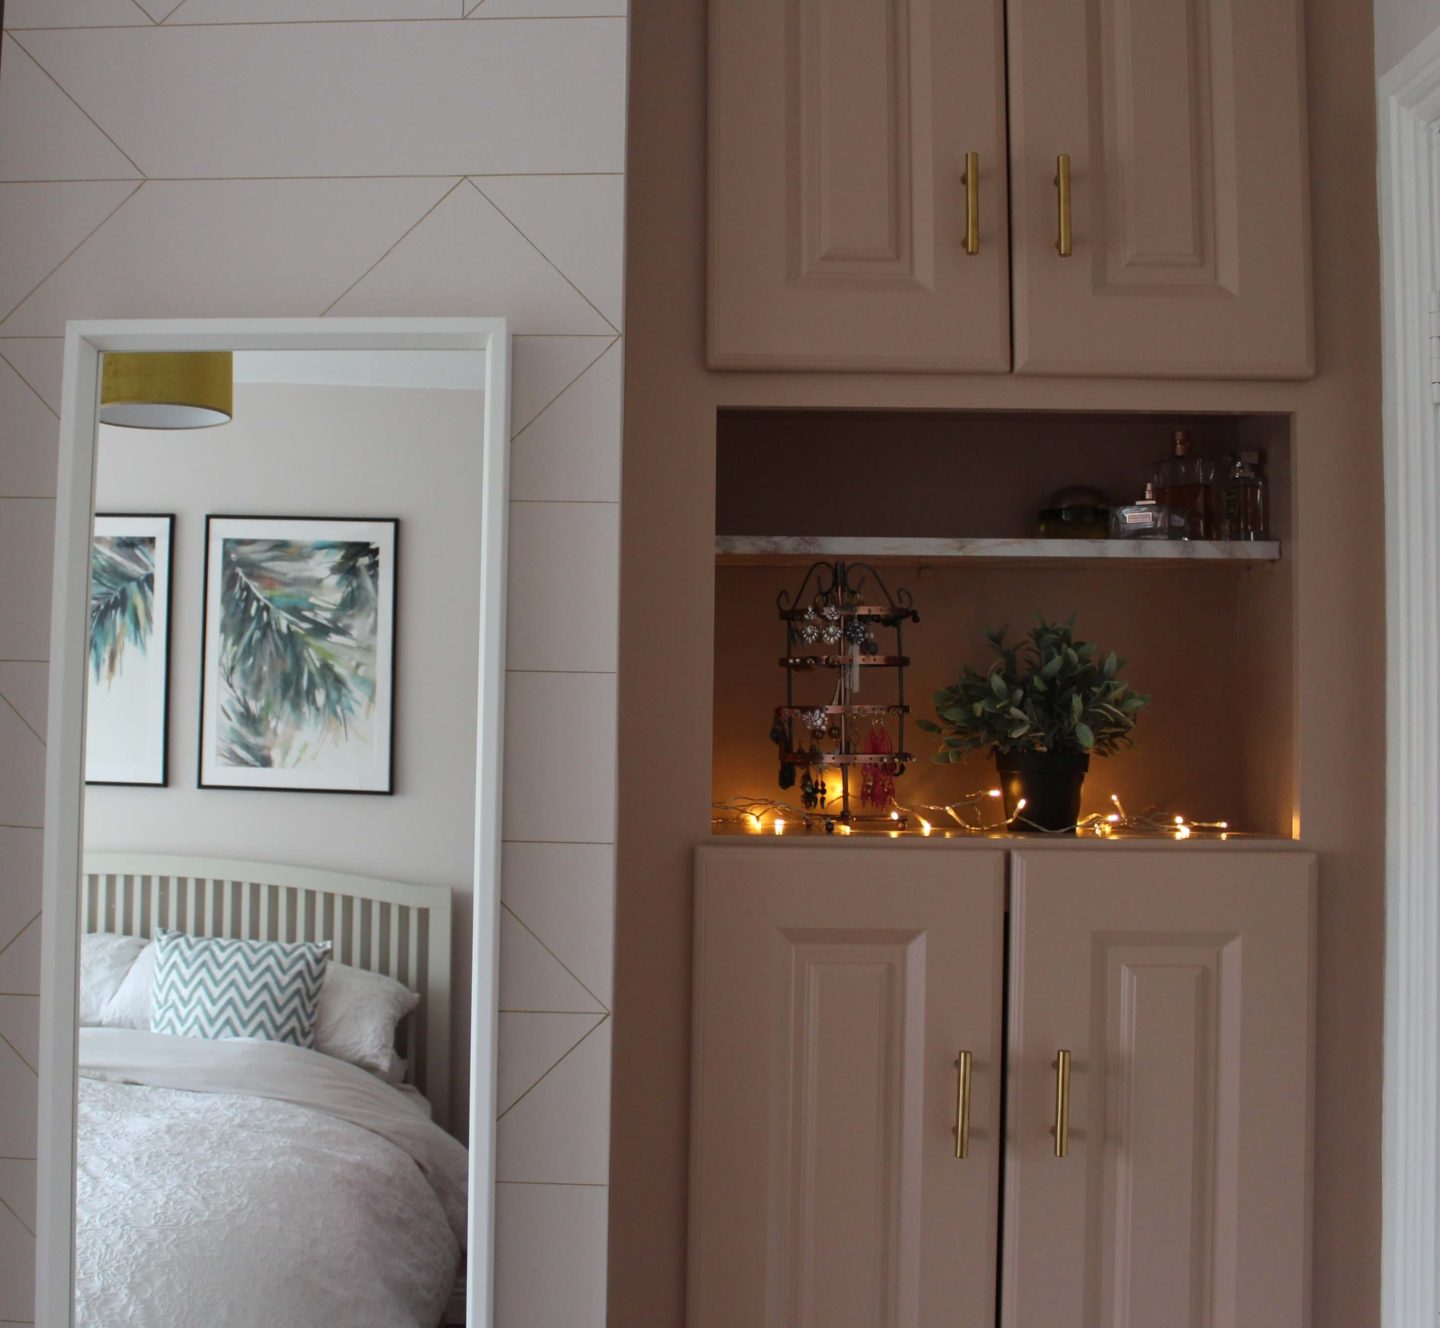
x,y
279,840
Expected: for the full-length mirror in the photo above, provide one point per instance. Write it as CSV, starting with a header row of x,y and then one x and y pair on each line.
x,y
272,865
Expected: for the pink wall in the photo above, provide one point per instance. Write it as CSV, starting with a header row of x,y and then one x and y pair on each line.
x,y
1211,643
1401,25
1179,632
667,647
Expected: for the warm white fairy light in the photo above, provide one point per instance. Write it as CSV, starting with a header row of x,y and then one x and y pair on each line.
x,y
967,816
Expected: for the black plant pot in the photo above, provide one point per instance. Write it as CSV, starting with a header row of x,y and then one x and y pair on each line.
x,y
1050,784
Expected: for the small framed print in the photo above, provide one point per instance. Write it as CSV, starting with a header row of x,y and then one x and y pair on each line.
x,y
127,702
298,670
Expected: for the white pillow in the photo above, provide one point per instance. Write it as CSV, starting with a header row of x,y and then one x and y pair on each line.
x,y
105,959
359,1013
130,1006
356,1021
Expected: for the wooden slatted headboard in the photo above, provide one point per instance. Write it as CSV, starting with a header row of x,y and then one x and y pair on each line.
x,y
389,927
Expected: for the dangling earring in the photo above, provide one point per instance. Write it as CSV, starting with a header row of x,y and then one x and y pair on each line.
x,y
809,630
882,786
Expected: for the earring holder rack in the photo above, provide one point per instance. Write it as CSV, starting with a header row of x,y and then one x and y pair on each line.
x,y
830,609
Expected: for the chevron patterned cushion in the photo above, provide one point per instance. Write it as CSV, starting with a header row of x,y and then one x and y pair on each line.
x,y
210,987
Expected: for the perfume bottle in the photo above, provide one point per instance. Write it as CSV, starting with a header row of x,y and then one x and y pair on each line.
x,y
1184,483
1147,519
1244,499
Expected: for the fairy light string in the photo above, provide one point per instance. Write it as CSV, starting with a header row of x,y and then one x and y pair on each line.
x,y
969,815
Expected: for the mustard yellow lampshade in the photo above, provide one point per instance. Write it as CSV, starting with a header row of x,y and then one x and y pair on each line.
x,y
167,389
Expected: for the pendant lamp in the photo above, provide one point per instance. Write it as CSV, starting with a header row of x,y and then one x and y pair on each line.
x,y
166,389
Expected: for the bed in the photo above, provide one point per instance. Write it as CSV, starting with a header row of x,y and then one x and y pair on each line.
x,y
243,1181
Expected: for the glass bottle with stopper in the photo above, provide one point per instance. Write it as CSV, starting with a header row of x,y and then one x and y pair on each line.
x,y
1243,502
1184,483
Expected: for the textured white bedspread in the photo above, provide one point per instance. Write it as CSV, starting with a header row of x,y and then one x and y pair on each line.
x,y
244,1183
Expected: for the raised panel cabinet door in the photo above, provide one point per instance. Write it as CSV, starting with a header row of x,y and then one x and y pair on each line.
x,y
1184,125
1180,985
842,215
835,990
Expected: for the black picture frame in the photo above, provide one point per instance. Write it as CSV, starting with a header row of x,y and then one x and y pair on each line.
x,y
377,779
101,766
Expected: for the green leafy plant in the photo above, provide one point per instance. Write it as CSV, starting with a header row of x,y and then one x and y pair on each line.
x,y
297,645
1046,693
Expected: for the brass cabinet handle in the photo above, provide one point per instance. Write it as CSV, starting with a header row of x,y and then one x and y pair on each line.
x,y
971,181
962,1104
1063,245
1061,1130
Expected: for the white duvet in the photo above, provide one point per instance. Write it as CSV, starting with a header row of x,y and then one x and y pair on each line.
x,y
238,1183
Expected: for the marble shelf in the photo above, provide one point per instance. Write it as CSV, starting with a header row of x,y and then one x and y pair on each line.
x,y
790,550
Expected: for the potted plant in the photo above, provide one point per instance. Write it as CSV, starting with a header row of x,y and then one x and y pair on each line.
x,y
1043,708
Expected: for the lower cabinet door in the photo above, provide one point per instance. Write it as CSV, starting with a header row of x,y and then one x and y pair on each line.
x,y
1179,982
835,990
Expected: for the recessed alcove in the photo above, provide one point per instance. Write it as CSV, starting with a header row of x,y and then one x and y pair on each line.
x,y
945,505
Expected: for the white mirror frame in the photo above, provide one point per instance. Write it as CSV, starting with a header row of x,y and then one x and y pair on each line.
x,y
64,782
1409,184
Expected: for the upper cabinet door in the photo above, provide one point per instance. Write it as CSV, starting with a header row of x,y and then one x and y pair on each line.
x,y
1179,984
839,210
835,990
1183,121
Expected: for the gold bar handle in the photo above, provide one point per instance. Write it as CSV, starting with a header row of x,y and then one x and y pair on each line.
x,y
1064,246
962,1104
971,181
1061,1130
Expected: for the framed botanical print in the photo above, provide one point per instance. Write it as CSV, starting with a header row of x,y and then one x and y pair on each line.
x,y
298,671
128,676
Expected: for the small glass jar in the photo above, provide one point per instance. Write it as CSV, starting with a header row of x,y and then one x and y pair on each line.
x,y
1074,522
1076,512
1147,519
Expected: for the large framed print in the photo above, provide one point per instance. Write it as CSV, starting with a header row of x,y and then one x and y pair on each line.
x,y
127,733
298,671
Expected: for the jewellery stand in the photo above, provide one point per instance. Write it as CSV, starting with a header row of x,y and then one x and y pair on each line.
x,y
829,611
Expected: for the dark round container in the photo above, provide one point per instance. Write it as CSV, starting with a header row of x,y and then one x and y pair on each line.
x,y
1074,522
1050,784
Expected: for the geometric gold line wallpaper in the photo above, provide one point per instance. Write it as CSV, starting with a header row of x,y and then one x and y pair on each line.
x,y
218,158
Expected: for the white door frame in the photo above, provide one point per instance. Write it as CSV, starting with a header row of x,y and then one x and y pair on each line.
x,y
64,780
1409,113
